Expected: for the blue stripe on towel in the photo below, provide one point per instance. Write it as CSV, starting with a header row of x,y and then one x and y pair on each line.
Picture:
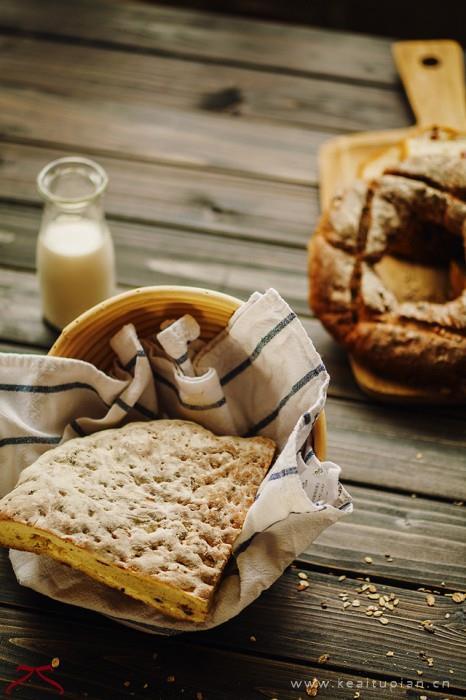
x,y
77,428
38,389
137,407
309,455
30,440
294,390
283,472
182,359
129,365
257,350
189,406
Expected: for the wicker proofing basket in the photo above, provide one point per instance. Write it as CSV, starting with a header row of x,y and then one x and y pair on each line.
x,y
87,337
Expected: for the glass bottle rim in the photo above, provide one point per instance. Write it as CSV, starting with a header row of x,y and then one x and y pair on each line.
x,y
44,179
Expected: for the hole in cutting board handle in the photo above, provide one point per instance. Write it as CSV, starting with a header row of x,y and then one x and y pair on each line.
x,y
431,61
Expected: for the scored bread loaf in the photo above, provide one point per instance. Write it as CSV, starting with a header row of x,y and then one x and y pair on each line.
x,y
151,509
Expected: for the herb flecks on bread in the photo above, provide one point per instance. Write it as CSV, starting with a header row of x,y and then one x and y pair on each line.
x,y
151,509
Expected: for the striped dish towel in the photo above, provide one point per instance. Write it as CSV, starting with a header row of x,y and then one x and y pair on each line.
x,y
261,375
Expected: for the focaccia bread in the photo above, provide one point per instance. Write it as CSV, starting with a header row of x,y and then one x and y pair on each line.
x,y
151,509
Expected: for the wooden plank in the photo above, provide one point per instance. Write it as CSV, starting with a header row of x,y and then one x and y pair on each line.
x,y
152,255
122,664
157,133
108,76
394,447
425,538
300,631
208,36
176,196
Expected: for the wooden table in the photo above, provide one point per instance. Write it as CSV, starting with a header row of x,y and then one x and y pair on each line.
x,y
209,129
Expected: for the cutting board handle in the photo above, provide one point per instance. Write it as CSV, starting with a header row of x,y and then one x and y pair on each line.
x,y
433,77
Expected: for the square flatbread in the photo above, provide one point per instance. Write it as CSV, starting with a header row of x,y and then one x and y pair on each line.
x,y
151,509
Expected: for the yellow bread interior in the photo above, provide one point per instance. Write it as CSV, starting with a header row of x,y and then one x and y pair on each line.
x,y
169,600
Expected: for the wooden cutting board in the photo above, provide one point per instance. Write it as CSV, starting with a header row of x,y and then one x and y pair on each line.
x,y
432,73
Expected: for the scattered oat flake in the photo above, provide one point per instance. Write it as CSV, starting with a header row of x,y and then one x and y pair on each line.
x,y
373,596
346,604
423,697
127,684
396,602
447,615
458,503
252,638
384,620
378,613
312,688
368,560
428,625
146,685
372,588
302,575
390,653
388,558
356,603
55,663
419,455
430,600
323,658
458,597
342,577
170,679
369,613
302,585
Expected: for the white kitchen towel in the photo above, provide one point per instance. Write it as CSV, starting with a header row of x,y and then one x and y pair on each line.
x,y
261,375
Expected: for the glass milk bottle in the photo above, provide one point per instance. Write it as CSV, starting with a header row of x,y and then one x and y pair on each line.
x,y
75,256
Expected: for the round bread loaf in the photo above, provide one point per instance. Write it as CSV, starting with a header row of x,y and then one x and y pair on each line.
x,y
387,272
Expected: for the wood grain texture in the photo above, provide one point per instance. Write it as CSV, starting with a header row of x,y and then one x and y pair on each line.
x,y
299,631
157,133
433,76
162,255
303,629
124,664
208,36
426,539
419,451
175,196
108,76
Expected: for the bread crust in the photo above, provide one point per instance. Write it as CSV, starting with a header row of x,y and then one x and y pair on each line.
x,y
416,210
152,509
